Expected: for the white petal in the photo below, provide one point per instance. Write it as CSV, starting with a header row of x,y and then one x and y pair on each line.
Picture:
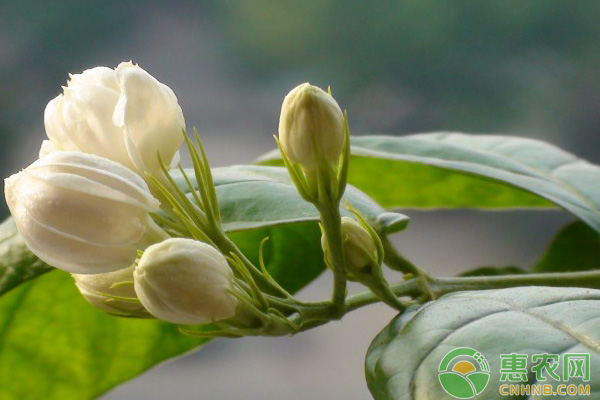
x,y
55,129
149,113
94,175
46,148
102,76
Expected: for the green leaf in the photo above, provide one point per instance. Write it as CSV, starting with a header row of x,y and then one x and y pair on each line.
x,y
253,196
575,248
17,263
53,345
404,362
449,170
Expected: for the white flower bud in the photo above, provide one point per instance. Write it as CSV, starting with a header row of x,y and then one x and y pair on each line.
x,y
311,127
185,281
82,213
359,249
94,289
124,114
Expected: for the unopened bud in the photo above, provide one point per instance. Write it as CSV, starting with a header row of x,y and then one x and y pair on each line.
x,y
311,127
82,213
360,253
99,289
185,281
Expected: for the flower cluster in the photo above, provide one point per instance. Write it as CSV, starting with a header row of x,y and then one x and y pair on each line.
x,y
101,204
86,205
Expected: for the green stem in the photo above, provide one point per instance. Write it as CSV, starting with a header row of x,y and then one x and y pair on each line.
x,y
227,246
332,229
319,313
395,261
442,286
411,287
383,291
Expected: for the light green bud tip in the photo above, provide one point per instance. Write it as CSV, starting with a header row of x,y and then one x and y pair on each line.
x,y
311,127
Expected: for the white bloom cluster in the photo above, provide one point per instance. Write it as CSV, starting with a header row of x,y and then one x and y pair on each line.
x,y
92,202
85,206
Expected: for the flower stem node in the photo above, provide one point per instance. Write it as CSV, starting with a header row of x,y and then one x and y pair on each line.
x,y
185,281
123,114
82,213
111,292
313,139
363,255
360,252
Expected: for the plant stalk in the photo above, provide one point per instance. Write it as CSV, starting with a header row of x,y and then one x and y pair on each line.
x,y
332,229
586,279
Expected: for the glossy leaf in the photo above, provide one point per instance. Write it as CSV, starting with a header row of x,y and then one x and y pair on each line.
x,y
404,360
256,197
449,170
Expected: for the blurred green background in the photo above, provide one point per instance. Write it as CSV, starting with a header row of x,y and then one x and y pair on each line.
x,y
518,67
